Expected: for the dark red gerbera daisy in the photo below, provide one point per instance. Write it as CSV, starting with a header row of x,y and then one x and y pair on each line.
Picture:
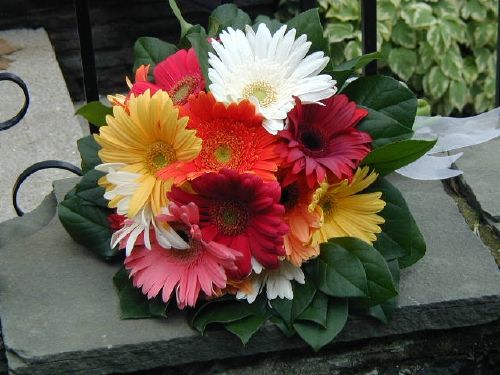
x,y
241,212
322,139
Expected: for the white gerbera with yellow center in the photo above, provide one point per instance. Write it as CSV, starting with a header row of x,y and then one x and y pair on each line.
x,y
269,70
142,137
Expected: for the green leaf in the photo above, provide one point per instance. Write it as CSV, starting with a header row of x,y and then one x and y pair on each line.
x,y
200,43
89,190
402,61
287,309
245,328
424,108
458,94
446,8
386,11
227,15
426,55
455,28
185,26
391,108
272,24
435,83
89,149
403,35
309,23
345,70
482,103
338,272
482,55
151,51
318,336
87,224
452,63
380,283
226,310
392,156
95,113
134,304
317,311
400,237
418,15
337,32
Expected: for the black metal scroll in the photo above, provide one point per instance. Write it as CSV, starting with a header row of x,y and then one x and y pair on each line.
x,y
18,81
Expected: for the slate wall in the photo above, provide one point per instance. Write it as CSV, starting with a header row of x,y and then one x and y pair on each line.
x,y
116,24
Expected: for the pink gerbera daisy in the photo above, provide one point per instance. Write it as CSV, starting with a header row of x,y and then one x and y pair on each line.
x,y
242,212
179,75
322,139
199,268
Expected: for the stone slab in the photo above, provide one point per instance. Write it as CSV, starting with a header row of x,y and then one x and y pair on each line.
x,y
481,166
48,131
59,311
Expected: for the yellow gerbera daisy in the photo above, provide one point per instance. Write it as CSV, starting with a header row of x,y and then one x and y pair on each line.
x,y
344,212
141,139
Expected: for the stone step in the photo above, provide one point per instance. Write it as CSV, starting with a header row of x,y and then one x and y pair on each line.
x,y
48,131
60,314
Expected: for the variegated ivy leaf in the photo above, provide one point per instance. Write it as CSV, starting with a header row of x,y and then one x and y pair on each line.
x,y
469,71
435,83
475,10
418,15
352,50
481,102
456,28
439,37
458,94
482,55
337,32
402,61
386,10
445,8
426,54
485,34
384,30
403,35
451,62
344,10
489,87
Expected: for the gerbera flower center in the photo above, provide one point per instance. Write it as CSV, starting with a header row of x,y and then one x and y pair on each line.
x,y
223,154
180,92
194,248
290,196
262,90
230,217
159,155
313,140
327,204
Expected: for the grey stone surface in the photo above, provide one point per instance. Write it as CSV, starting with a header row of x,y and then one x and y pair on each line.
x,y
48,131
60,314
482,174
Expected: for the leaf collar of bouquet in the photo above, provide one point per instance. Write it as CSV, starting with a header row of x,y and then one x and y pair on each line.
x,y
235,180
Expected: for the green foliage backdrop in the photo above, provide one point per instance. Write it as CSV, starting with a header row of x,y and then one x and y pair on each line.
x,y
444,49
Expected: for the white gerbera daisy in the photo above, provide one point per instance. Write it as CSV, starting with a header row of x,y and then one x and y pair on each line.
x,y
278,282
120,186
269,70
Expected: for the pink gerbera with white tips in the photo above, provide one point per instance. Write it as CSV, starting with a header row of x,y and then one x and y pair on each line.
x,y
322,140
199,268
179,75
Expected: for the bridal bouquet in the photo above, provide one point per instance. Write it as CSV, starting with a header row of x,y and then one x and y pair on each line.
x,y
241,178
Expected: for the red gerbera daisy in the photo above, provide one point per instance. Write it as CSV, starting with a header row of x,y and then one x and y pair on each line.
x,y
199,268
323,139
179,75
242,212
232,137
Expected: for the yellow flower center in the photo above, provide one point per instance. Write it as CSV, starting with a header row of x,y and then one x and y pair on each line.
x,y
223,154
158,156
261,90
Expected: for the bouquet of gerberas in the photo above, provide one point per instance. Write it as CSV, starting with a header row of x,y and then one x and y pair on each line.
x,y
241,176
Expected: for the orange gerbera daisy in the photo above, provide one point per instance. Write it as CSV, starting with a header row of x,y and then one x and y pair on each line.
x,y
233,138
296,197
